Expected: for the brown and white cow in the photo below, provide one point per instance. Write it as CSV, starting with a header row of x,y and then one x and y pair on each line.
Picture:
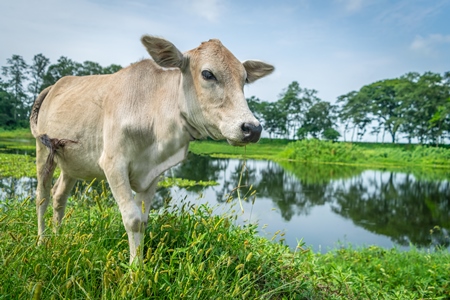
x,y
131,126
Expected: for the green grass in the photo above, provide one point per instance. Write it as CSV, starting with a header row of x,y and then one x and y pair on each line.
x,y
377,154
323,151
19,165
192,253
264,149
365,154
316,151
20,133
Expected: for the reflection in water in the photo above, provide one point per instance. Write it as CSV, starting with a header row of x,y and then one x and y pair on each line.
x,y
387,204
396,205
21,188
323,204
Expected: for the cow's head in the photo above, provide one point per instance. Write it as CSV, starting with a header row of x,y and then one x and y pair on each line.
x,y
213,83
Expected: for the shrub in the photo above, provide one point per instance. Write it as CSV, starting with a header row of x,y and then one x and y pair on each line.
x,y
314,150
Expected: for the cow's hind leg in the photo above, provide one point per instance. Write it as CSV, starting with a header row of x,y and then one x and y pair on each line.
x,y
61,191
44,178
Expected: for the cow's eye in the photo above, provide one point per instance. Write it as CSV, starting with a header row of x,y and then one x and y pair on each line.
x,y
207,75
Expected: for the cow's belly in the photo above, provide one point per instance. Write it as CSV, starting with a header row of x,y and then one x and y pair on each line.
x,y
80,160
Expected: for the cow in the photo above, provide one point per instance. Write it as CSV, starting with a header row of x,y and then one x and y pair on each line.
x,y
131,126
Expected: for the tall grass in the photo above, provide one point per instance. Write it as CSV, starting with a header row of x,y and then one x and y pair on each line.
x,y
17,165
191,252
313,150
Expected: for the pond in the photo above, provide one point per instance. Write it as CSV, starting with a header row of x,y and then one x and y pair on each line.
x,y
327,206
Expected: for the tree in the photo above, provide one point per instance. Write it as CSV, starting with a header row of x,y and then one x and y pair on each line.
x,y
424,98
16,72
319,121
63,67
354,111
254,104
37,72
16,101
385,105
90,68
331,134
274,118
6,107
111,69
296,101
434,92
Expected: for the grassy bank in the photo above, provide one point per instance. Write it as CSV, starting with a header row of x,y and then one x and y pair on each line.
x,y
20,133
191,253
315,151
19,165
264,149
324,151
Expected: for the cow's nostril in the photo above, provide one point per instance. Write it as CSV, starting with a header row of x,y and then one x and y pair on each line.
x,y
251,132
245,128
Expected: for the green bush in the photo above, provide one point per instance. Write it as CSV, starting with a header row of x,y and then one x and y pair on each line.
x,y
313,150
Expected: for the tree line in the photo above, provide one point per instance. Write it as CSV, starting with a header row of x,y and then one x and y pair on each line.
x,y
298,113
20,83
413,106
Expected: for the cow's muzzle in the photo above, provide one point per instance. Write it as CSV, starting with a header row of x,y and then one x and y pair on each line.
x,y
251,132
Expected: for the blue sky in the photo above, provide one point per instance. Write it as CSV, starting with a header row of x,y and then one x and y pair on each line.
x,y
333,46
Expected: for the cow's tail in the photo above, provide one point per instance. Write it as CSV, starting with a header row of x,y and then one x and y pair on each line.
x,y
53,144
35,110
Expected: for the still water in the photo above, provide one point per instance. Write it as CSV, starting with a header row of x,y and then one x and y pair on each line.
x,y
327,206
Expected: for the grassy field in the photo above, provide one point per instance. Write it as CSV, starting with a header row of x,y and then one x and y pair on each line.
x,y
22,133
192,253
265,149
315,151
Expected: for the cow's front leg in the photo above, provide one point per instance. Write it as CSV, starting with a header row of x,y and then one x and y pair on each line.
x,y
130,209
144,199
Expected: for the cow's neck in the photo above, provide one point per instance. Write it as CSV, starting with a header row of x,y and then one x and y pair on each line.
x,y
186,97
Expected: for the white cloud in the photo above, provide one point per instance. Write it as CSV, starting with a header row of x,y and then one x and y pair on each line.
x,y
351,5
411,14
428,44
208,9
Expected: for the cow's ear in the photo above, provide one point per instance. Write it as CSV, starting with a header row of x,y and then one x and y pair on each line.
x,y
163,52
257,69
